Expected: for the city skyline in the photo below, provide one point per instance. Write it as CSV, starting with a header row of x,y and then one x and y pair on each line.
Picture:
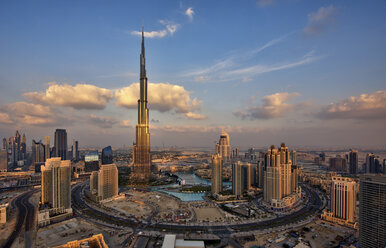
x,y
288,71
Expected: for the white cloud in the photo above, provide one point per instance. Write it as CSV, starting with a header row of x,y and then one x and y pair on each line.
x,y
264,3
273,106
195,116
205,129
102,121
162,97
5,118
126,123
80,96
365,106
319,20
190,12
170,29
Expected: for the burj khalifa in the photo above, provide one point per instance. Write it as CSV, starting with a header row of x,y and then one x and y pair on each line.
x,y
141,148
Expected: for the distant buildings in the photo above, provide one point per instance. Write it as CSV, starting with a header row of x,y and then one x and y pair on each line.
x,y
56,185
338,164
104,183
47,148
217,164
343,201
372,211
3,161
16,150
107,155
353,161
280,178
237,178
38,156
61,143
223,147
75,150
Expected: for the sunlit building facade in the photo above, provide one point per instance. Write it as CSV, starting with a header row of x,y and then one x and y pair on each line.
x,y
217,164
223,147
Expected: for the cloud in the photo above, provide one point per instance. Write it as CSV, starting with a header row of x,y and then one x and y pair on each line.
x,y
35,114
204,129
189,13
102,121
170,28
319,20
365,106
162,97
264,3
155,121
5,118
273,106
125,123
260,69
80,96
195,116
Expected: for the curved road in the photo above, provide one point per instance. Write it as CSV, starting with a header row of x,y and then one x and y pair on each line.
x,y
26,214
82,208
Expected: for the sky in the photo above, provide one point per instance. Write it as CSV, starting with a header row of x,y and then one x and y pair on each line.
x,y
308,73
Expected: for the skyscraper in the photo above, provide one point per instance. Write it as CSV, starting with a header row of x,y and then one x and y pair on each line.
x,y
223,147
107,155
61,143
237,178
141,148
372,211
37,155
56,184
23,147
3,160
217,164
343,201
47,152
279,183
353,160
75,150
107,181
370,163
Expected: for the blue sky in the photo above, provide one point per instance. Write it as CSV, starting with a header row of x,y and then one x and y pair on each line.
x,y
304,72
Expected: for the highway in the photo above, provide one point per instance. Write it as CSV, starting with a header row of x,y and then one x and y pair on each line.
x,y
82,208
25,218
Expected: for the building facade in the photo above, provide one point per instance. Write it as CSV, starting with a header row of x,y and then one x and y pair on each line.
x,y
107,155
61,143
372,211
217,164
223,147
107,181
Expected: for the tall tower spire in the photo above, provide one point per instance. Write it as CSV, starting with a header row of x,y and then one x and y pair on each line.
x,y
141,149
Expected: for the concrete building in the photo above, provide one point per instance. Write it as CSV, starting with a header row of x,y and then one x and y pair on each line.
x,y
217,164
338,164
237,178
75,150
94,182
38,157
372,211
280,186
56,184
3,161
108,181
3,213
171,241
141,148
223,147
353,162
61,143
47,148
343,201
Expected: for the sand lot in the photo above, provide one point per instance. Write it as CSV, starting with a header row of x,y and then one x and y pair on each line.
x,y
208,214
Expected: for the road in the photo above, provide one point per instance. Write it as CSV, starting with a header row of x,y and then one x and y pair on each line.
x,y
26,215
83,209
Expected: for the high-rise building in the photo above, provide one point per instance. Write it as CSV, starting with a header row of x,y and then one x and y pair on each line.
x,y
294,172
3,160
94,182
338,164
370,163
107,155
61,143
217,164
91,161
23,147
237,178
372,211
107,181
343,201
280,186
223,147
47,152
353,160
75,150
5,144
56,184
141,149
38,157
